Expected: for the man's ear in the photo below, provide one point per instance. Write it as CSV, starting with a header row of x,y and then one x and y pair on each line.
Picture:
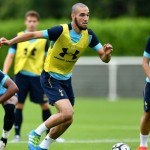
x,y
72,15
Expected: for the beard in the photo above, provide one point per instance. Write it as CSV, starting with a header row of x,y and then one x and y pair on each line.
x,y
80,27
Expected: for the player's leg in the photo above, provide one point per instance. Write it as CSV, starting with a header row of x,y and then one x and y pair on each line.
x,y
9,118
69,91
46,113
58,130
22,82
58,123
64,115
58,97
145,129
145,121
37,96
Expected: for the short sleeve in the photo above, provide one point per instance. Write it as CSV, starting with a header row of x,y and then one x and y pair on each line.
x,y
11,50
94,40
98,47
147,49
54,32
3,78
45,34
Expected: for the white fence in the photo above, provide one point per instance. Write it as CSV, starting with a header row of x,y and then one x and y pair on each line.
x,y
121,77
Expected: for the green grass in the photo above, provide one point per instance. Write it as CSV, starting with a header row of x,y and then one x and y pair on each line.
x,y
94,119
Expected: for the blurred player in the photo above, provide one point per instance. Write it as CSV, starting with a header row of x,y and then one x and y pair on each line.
x,y
145,121
8,100
28,65
68,43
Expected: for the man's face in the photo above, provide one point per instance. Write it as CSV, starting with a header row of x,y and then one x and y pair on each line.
x,y
31,23
81,17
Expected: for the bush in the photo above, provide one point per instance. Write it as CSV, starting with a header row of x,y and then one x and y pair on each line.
x,y
128,36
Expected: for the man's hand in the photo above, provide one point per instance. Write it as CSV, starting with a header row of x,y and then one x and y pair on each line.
x,y
4,41
108,49
105,52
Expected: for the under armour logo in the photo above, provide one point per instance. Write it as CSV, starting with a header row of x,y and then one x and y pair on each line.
x,y
74,56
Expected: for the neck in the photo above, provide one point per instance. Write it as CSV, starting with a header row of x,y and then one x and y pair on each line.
x,y
76,29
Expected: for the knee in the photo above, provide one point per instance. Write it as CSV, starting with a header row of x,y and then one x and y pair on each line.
x,y
68,117
20,106
69,122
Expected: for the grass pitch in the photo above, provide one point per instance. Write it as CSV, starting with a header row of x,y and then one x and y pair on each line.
x,y
98,124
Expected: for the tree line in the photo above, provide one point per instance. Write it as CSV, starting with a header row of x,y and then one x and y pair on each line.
x,y
62,8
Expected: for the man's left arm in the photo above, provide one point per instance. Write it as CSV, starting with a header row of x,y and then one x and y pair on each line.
x,y
104,51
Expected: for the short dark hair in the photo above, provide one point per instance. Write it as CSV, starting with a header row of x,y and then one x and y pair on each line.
x,y
75,6
32,13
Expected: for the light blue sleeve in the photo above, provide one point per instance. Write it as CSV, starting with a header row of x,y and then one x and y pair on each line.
x,y
146,54
11,50
4,79
45,34
97,47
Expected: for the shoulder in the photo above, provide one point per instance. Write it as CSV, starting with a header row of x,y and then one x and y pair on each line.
x,y
90,32
93,38
55,32
55,29
147,49
148,41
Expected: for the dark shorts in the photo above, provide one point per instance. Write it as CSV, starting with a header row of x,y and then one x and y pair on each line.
x,y
31,85
57,89
146,95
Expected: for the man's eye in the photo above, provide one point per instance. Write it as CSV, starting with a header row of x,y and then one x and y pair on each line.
x,y
82,15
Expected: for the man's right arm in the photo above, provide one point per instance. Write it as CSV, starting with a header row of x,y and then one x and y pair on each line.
x,y
52,34
21,38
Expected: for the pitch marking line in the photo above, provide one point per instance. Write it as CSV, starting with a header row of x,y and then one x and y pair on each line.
x,y
91,141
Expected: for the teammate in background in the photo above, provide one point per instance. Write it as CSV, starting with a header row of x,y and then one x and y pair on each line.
x,y
145,121
8,100
68,43
28,65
